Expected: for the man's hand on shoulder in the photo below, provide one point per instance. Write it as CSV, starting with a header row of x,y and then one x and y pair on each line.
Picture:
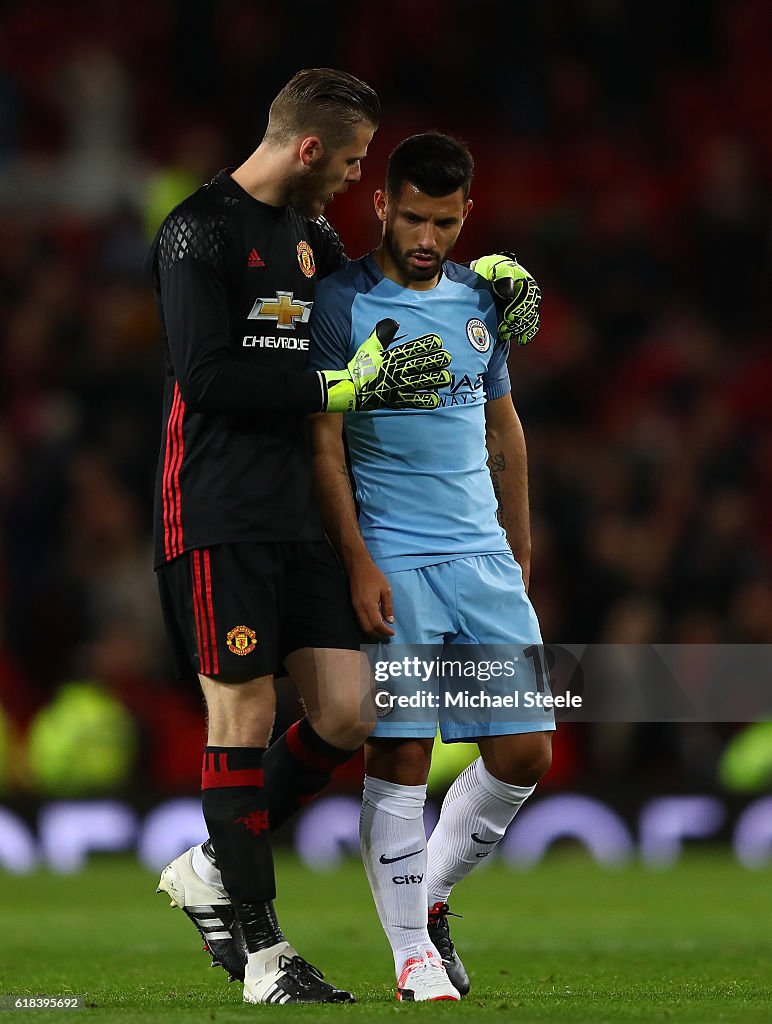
x,y
517,293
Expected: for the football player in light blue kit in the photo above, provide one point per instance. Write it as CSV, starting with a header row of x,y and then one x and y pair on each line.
x,y
427,558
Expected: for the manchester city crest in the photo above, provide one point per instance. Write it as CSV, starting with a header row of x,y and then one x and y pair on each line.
x,y
479,335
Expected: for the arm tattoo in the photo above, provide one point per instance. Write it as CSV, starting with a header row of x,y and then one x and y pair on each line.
x,y
497,464
343,470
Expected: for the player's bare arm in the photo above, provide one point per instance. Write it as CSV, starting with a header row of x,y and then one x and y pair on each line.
x,y
370,590
508,464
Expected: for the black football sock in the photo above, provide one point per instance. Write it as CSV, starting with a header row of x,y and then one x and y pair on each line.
x,y
235,811
259,924
296,767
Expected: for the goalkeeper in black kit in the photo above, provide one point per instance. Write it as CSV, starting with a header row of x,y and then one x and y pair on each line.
x,y
246,576
247,579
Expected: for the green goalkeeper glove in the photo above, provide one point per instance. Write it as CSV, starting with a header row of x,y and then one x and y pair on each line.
x,y
405,376
517,291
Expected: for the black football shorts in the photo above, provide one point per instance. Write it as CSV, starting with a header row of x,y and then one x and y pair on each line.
x,y
237,610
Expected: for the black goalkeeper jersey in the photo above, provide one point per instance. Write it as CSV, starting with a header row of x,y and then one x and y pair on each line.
x,y
234,281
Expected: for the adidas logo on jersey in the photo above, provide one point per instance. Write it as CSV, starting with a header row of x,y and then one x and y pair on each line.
x,y
255,259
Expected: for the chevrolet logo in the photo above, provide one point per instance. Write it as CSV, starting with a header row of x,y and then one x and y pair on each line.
x,y
284,309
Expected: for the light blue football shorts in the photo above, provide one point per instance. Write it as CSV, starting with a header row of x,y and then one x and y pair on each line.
x,y
471,627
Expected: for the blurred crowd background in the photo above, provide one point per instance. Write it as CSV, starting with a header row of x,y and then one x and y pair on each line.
x,y
623,151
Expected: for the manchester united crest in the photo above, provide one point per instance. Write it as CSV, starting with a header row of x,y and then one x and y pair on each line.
x,y
306,259
241,640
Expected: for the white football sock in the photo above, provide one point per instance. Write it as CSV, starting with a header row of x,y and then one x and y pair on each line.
x,y
476,805
205,868
391,831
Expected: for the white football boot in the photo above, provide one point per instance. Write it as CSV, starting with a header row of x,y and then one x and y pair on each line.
x,y
280,975
211,911
424,979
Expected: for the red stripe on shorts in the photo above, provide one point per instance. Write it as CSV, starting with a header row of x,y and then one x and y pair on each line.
x,y
210,612
198,611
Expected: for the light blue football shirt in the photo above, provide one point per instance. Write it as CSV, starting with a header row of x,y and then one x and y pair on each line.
x,y
422,481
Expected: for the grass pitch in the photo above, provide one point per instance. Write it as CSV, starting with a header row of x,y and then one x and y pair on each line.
x,y
565,942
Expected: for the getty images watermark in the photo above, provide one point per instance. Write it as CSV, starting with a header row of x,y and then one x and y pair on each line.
x,y
579,683
480,672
